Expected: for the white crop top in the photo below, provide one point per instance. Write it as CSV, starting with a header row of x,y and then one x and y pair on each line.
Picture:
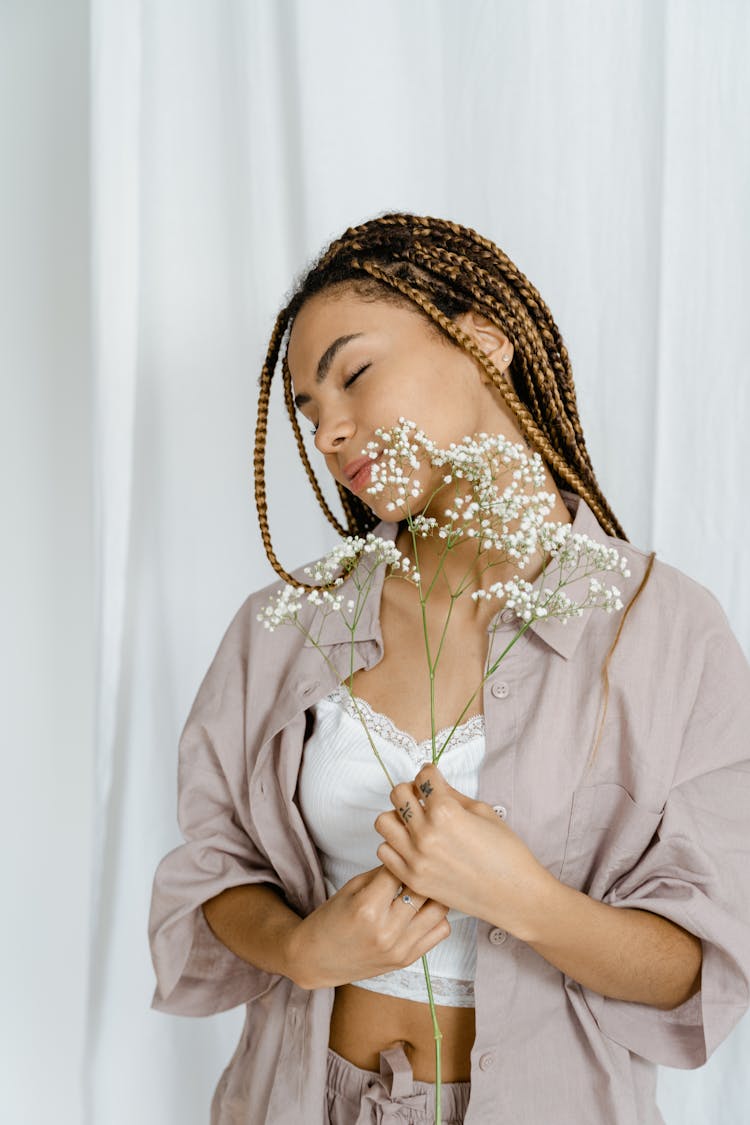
x,y
341,790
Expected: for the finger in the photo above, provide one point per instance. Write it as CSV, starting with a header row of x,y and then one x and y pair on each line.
x,y
408,900
439,932
387,884
394,894
394,831
427,927
405,799
394,862
430,783
424,783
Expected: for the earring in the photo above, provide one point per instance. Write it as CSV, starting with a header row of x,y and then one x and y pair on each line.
x,y
506,359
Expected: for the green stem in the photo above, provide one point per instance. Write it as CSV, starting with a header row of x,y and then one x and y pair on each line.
x,y
354,699
435,1027
443,636
363,721
482,682
433,1013
438,1035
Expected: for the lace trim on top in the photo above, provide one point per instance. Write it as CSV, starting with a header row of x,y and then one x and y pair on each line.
x,y
405,982
386,728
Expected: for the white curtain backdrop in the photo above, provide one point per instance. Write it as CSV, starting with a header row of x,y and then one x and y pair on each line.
x,y
603,145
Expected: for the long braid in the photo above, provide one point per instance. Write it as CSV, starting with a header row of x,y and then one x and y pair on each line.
x,y
445,269
355,510
562,410
289,400
561,384
357,520
261,434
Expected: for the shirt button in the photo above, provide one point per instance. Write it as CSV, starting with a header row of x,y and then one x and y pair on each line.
x,y
500,810
507,616
486,1061
497,937
499,689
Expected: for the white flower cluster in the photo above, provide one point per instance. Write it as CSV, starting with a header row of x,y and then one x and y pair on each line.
x,y
531,604
346,555
572,550
282,609
482,514
479,511
284,606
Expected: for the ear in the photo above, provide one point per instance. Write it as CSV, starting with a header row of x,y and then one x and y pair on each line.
x,y
487,336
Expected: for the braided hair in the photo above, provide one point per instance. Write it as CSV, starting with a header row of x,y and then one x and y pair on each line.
x,y
445,269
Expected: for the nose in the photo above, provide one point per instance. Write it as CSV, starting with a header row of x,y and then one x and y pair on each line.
x,y
333,433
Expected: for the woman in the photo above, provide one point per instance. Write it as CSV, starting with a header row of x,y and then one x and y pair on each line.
x,y
588,910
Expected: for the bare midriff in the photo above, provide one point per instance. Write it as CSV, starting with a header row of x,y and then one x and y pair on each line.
x,y
364,1023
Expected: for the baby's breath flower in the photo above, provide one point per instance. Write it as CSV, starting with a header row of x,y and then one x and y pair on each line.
x,y
282,609
497,483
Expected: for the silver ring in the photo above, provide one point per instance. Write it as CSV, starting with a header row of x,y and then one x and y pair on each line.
x,y
408,899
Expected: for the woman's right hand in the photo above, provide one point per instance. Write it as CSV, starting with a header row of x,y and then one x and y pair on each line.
x,y
362,931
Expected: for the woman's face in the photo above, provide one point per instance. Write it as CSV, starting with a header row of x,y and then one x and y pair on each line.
x,y
357,365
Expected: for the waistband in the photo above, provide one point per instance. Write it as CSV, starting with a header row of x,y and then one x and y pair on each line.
x,y
394,1086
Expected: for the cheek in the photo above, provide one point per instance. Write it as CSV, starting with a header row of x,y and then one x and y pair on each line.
x,y
332,466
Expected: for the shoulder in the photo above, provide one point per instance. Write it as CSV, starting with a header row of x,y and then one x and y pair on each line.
x,y
247,631
680,596
669,598
251,665
674,640
246,622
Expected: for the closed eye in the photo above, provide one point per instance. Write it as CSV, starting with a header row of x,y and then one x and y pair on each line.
x,y
347,383
356,375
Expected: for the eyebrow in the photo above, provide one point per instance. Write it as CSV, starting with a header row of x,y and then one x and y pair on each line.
x,y
325,361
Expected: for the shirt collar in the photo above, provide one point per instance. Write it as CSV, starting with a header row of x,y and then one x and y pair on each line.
x,y
562,637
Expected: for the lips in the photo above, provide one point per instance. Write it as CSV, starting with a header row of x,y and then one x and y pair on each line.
x,y
359,472
351,470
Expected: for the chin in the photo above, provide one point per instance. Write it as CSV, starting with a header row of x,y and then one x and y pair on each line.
x,y
378,508
378,505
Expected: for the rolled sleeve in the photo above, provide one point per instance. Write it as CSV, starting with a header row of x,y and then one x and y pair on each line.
x,y
197,974
696,872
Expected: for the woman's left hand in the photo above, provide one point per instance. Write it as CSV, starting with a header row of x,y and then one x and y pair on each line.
x,y
451,848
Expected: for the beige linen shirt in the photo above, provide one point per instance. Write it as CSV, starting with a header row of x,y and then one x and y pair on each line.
x,y
659,822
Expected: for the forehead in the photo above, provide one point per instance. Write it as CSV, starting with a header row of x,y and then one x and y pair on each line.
x,y
323,318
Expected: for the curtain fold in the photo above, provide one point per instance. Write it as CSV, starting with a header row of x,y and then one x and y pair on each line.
x,y
116,179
